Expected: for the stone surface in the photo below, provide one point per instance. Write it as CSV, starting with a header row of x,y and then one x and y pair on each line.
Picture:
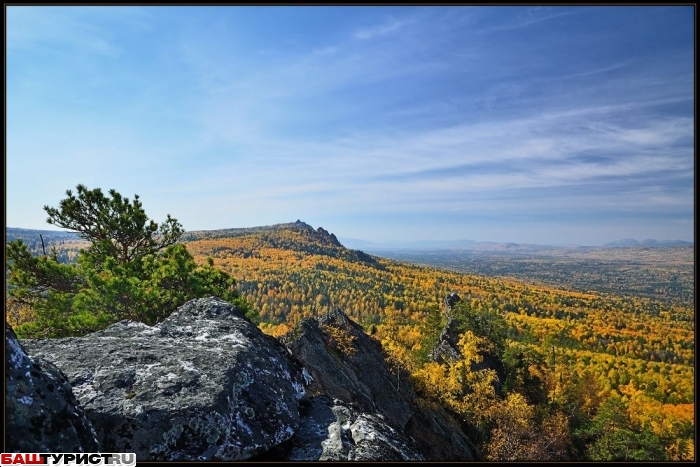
x,y
335,431
447,350
451,300
446,347
205,384
41,411
349,366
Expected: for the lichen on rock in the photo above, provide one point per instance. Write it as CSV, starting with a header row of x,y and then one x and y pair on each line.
x,y
204,384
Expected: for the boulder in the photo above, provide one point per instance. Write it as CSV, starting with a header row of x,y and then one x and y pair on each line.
x,y
41,412
204,384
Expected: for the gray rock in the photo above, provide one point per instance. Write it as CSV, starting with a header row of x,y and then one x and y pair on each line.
x,y
41,412
205,384
446,349
333,430
451,300
356,375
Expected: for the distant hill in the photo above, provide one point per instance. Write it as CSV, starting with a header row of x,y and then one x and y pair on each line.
x,y
67,244
494,247
623,242
293,236
450,245
299,226
413,245
28,235
650,242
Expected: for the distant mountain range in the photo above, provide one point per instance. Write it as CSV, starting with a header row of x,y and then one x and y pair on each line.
x,y
493,246
13,233
413,245
51,236
649,242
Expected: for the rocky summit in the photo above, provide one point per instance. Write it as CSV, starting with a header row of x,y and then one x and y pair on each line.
x,y
207,384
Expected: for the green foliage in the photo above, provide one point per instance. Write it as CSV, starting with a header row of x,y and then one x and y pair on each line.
x,y
611,437
518,360
430,332
485,323
115,227
133,269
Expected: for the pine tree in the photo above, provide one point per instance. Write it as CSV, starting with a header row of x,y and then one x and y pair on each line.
x,y
133,269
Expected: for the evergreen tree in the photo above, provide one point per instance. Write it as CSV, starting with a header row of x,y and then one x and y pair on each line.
x,y
133,269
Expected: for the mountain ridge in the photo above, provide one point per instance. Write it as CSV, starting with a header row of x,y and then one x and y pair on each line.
x,y
471,245
324,236
649,242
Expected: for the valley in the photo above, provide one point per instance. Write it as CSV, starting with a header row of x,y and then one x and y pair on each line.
x,y
660,273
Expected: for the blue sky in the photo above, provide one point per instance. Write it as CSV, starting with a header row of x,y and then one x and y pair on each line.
x,y
548,125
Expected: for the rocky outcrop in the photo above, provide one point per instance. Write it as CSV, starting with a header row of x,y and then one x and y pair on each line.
x,y
207,384
447,350
349,366
450,301
203,384
332,430
331,238
41,411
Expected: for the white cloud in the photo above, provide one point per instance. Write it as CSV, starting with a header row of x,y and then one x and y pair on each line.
x,y
532,18
76,27
381,30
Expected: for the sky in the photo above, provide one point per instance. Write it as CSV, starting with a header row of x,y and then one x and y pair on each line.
x,y
544,125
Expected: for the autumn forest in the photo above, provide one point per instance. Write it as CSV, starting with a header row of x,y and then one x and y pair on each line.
x,y
543,372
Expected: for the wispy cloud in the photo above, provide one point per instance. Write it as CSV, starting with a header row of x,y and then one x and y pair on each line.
x,y
606,69
534,16
238,116
52,27
380,30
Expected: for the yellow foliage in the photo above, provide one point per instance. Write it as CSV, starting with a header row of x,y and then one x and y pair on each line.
x,y
274,330
605,344
17,313
681,450
661,417
469,393
340,339
513,420
433,379
516,437
470,345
